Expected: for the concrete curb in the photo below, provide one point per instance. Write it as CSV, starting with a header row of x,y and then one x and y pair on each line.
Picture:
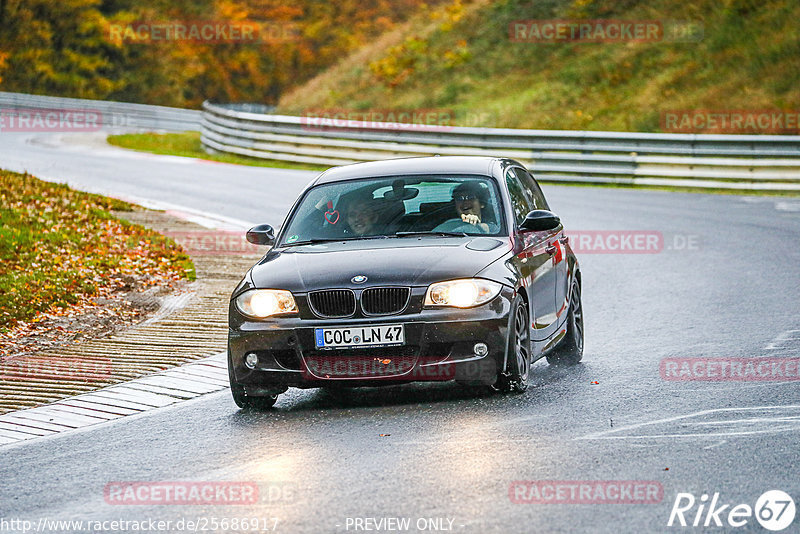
x,y
191,327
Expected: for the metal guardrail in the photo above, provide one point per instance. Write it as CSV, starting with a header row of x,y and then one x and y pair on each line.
x,y
112,115
757,162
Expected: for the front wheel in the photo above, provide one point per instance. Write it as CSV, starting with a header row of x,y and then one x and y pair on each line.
x,y
518,364
255,403
242,400
570,350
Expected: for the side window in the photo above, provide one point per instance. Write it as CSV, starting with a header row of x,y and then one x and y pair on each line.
x,y
532,189
519,201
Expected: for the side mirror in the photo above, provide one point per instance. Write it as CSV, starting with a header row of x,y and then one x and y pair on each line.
x,y
263,234
540,220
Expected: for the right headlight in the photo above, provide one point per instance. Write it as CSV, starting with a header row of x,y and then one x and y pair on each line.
x,y
464,293
263,303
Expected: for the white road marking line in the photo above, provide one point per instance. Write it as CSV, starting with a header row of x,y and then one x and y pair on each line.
x,y
117,402
694,436
618,433
744,421
782,338
787,206
206,219
738,386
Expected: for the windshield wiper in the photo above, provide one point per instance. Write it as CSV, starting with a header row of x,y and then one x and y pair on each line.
x,y
333,240
310,241
436,233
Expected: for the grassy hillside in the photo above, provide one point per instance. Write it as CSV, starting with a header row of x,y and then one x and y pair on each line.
x,y
460,58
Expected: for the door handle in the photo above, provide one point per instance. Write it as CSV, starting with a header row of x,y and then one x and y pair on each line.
x,y
551,249
564,239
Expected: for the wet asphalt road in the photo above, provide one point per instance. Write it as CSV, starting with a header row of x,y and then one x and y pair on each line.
x,y
725,285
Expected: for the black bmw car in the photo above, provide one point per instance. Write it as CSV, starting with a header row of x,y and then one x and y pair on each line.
x,y
418,269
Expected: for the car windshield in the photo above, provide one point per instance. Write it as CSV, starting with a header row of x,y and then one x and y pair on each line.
x,y
397,207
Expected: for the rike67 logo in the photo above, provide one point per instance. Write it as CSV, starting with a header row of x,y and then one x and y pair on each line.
x,y
774,510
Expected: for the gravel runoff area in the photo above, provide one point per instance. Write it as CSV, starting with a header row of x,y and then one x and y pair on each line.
x,y
181,327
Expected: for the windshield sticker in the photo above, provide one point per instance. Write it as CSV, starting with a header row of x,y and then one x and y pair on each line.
x,y
293,238
332,215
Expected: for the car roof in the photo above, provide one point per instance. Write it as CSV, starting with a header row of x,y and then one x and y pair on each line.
x,y
422,165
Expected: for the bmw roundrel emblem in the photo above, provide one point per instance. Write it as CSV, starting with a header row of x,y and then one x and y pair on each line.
x,y
359,279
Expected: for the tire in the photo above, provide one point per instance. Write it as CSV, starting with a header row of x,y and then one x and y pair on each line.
x,y
242,400
518,367
570,350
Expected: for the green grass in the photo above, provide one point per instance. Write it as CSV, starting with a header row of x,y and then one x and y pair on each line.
x,y
463,61
187,144
60,248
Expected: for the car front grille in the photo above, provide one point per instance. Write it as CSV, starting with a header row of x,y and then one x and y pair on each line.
x,y
332,303
362,363
384,300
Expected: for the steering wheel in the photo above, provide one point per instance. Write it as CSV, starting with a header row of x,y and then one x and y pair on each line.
x,y
457,225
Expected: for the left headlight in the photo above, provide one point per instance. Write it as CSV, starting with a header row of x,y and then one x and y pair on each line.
x,y
263,303
465,293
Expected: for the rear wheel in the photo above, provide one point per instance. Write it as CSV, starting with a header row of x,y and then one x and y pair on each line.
x,y
518,365
570,350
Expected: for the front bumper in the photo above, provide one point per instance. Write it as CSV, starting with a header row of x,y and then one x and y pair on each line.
x,y
438,346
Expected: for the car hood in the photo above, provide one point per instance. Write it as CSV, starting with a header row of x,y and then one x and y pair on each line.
x,y
406,262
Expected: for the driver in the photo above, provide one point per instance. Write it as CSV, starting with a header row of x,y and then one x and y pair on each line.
x,y
469,201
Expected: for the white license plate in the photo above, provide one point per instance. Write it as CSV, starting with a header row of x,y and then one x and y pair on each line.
x,y
360,336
